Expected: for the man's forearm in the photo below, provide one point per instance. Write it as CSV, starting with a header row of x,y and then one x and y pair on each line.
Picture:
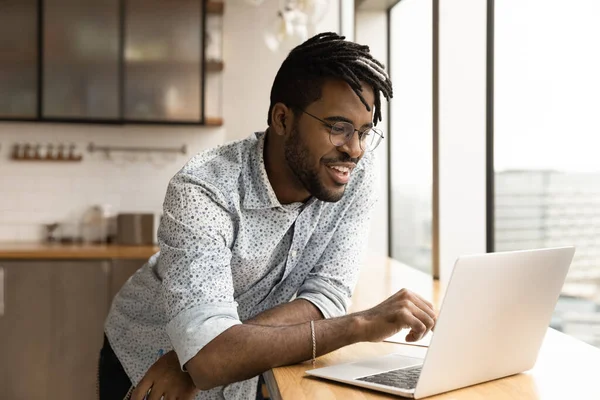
x,y
292,313
246,350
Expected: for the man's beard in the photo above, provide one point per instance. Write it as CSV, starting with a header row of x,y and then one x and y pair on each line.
x,y
297,157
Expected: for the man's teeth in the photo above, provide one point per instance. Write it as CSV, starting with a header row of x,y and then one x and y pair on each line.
x,y
344,170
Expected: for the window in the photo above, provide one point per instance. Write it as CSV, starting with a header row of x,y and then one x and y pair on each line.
x,y
411,131
547,138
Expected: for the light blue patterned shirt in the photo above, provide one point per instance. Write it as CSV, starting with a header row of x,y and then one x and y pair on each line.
x,y
229,251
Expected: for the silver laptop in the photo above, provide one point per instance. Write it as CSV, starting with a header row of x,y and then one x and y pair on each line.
x,y
492,323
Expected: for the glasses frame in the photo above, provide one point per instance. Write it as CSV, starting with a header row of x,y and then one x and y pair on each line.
x,y
374,130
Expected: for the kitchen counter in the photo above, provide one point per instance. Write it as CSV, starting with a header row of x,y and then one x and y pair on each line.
x,y
55,251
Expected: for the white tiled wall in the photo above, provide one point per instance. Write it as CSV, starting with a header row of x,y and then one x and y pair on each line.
x,y
36,193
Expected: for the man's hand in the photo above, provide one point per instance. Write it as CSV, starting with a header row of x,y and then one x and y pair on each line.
x,y
165,379
402,310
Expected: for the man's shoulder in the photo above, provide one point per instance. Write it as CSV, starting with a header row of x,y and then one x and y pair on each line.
x,y
221,166
226,155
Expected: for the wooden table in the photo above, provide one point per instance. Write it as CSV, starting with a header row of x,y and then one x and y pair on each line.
x,y
59,251
566,368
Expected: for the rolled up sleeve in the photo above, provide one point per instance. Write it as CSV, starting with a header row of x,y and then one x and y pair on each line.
x,y
332,299
330,284
195,236
193,329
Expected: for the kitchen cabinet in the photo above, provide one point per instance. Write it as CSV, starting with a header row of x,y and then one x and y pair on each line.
x,y
80,305
163,60
26,326
51,326
81,59
139,61
120,272
18,59
213,82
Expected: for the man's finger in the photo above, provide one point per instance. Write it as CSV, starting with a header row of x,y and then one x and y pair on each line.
x,y
156,393
417,329
423,317
424,300
142,389
425,306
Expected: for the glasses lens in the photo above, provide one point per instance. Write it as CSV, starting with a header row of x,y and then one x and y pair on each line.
x,y
370,139
341,132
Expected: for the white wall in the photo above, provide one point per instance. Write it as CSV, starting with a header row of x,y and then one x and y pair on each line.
x,y
348,19
462,139
251,67
371,30
32,194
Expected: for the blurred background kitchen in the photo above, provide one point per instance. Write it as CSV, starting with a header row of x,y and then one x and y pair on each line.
x,y
490,144
123,93
101,103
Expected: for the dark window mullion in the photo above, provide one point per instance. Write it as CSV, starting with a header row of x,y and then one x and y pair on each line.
x,y
40,61
122,25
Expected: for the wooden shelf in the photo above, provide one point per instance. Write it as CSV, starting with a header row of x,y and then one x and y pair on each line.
x,y
13,57
213,121
48,159
214,66
209,65
215,7
162,62
25,251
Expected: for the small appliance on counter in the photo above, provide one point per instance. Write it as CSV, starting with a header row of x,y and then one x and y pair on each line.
x,y
135,229
66,233
93,226
98,225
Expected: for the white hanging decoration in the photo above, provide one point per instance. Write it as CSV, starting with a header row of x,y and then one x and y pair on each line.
x,y
255,3
315,10
293,22
287,30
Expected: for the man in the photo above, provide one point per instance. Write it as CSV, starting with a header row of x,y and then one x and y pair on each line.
x,y
248,226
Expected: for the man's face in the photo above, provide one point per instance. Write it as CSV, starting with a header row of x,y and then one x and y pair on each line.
x,y
322,168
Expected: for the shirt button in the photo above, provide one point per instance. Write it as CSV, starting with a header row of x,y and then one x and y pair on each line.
x,y
294,252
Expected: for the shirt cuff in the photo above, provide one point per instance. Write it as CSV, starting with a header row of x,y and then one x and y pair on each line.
x,y
328,299
193,329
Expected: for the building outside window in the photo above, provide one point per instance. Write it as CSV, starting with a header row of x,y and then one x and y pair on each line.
x,y
547,139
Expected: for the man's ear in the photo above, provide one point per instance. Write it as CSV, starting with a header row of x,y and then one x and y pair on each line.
x,y
281,119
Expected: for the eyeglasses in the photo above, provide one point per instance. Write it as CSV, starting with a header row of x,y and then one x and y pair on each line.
x,y
341,132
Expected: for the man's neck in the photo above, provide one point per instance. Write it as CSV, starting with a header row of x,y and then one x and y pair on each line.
x,y
285,184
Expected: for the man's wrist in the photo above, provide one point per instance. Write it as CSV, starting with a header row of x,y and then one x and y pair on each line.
x,y
357,327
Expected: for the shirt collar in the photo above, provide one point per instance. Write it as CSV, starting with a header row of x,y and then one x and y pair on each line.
x,y
259,193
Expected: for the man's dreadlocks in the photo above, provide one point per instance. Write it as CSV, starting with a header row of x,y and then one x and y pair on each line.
x,y
328,55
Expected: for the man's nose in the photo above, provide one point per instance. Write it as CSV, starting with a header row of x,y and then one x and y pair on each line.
x,y
352,146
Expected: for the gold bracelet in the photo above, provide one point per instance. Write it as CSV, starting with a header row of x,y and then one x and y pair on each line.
x,y
314,343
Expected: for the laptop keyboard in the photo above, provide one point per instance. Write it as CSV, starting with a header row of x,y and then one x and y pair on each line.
x,y
404,378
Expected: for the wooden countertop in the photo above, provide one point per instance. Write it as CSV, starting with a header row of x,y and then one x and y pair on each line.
x,y
48,251
566,368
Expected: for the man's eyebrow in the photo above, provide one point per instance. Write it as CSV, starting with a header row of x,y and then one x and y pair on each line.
x,y
339,118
